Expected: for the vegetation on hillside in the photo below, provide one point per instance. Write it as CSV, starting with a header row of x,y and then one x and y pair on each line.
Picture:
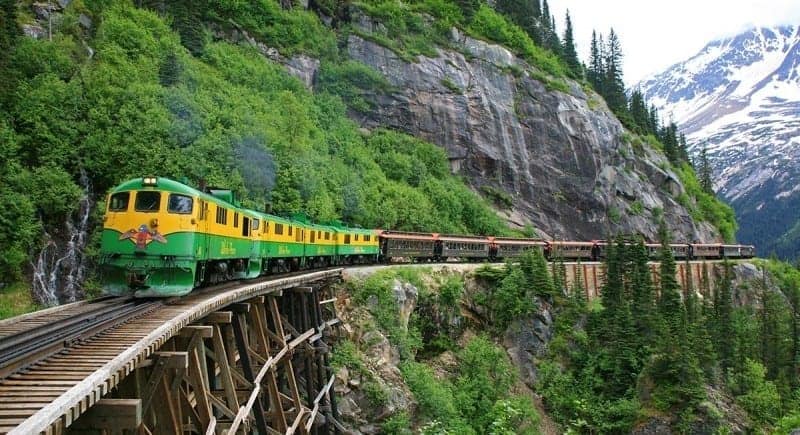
x,y
160,92
477,395
650,352
145,103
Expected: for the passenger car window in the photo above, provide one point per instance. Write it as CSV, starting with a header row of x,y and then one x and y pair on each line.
x,y
148,201
180,204
119,201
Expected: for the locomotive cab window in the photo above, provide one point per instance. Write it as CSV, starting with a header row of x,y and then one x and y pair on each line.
x,y
254,225
236,219
180,204
279,229
119,201
347,239
148,201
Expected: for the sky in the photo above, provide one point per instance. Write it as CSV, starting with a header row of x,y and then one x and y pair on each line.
x,y
658,34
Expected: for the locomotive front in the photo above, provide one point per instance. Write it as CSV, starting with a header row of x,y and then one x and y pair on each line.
x,y
148,245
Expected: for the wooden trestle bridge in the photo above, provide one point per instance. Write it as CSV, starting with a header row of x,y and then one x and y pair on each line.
x,y
238,358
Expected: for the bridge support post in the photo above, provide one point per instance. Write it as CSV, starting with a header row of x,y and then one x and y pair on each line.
x,y
260,365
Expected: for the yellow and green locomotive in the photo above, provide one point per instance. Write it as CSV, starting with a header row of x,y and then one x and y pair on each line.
x,y
164,238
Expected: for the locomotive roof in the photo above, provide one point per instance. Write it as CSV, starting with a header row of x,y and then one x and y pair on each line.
x,y
168,185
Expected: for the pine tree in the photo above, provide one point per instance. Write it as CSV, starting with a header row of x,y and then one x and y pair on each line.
x,y
723,319
578,291
669,303
540,276
469,7
683,148
553,42
638,111
613,84
704,171
612,288
188,22
596,64
9,35
655,122
559,276
643,295
169,73
523,13
568,52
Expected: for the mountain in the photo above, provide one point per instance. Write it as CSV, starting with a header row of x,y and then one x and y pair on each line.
x,y
740,96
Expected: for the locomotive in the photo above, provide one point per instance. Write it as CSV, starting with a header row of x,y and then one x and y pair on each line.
x,y
163,238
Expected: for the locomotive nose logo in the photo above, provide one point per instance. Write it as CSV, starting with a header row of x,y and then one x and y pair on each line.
x,y
143,236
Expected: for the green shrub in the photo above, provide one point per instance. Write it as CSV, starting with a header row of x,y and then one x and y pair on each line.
x,y
351,80
709,208
499,197
491,25
448,83
761,399
397,424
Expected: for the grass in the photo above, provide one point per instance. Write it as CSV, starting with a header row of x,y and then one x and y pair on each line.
x,y
15,300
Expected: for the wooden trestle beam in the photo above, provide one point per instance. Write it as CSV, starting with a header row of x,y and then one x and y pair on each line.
x,y
260,366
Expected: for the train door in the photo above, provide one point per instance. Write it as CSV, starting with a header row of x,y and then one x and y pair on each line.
x,y
202,241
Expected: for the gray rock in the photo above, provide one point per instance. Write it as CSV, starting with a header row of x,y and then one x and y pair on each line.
x,y
561,156
348,408
304,68
64,3
34,31
527,339
653,426
406,296
85,21
42,11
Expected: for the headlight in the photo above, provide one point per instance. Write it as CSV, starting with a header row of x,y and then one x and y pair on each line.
x,y
150,181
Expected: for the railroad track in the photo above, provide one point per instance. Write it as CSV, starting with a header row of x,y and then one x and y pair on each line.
x,y
29,345
55,371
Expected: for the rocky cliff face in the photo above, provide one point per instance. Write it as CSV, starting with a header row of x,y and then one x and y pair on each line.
x,y
561,156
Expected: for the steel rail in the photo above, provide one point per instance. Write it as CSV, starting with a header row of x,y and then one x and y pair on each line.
x,y
23,348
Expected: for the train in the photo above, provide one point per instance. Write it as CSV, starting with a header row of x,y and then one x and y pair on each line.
x,y
163,238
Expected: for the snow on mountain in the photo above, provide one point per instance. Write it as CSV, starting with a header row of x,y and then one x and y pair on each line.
x,y
740,96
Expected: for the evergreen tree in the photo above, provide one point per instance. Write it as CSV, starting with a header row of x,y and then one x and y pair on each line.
x,y
9,34
704,171
639,112
169,73
669,303
723,319
568,52
613,84
578,291
683,148
655,121
187,20
540,276
469,7
523,13
553,41
643,295
559,276
611,294
596,64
